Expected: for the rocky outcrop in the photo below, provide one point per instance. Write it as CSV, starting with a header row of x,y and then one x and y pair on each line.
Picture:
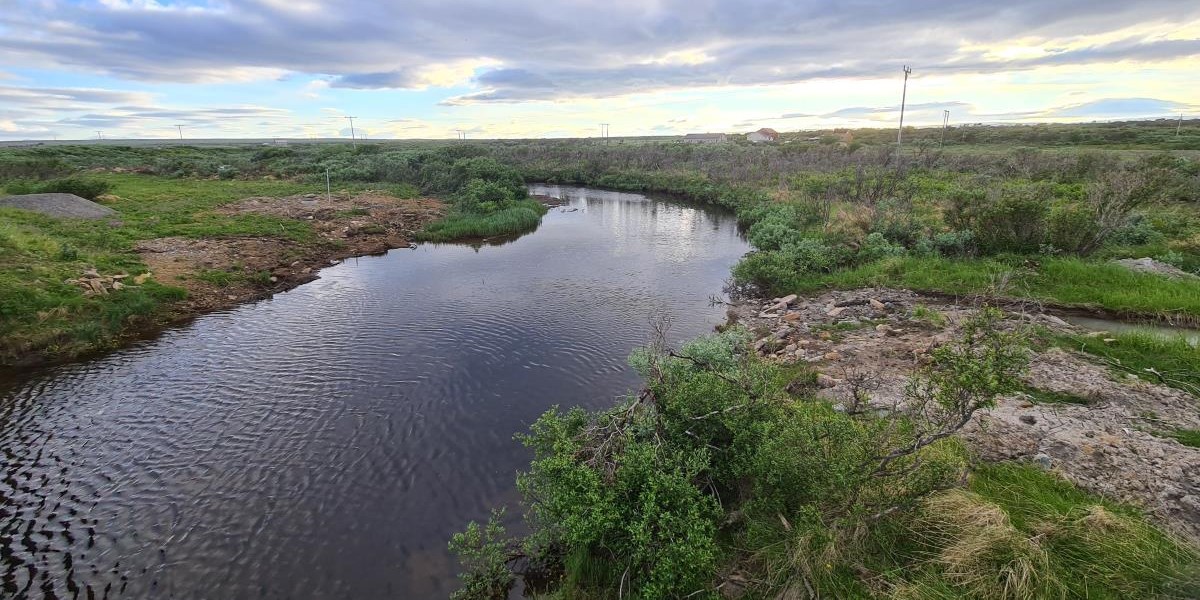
x,y
867,342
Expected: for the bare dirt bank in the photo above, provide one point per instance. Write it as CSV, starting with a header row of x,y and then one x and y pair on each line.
x,y
226,271
1114,443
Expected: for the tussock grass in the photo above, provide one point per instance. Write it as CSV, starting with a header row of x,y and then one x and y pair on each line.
x,y
523,217
979,549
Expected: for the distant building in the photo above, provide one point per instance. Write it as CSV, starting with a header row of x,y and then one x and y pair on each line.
x,y
766,134
705,138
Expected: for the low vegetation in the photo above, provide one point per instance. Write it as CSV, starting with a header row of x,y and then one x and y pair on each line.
x,y
715,479
1154,357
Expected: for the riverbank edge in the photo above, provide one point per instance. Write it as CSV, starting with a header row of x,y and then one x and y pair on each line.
x,y
732,198
285,275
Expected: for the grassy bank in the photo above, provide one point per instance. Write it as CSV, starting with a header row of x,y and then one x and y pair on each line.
x,y
1067,282
1155,358
41,314
523,216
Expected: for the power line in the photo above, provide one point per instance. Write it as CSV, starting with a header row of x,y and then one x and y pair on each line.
x,y
353,141
900,132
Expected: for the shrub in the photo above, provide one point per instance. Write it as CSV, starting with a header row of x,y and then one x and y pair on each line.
x,y
1012,220
955,243
1072,227
772,233
84,188
480,196
875,247
640,497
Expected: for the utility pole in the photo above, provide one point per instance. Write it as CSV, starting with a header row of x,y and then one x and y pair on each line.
x,y
99,135
900,132
353,141
462,135
945,123
180,128
1179,127
604,132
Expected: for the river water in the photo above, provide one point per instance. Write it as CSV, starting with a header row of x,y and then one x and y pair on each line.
x,y
326,442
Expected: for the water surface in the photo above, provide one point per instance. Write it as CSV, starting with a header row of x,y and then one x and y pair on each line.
x,y
326,442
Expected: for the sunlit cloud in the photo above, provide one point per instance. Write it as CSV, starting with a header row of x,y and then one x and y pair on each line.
x,y
525,68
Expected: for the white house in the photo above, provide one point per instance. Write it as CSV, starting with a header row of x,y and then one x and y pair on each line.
x,y
766,134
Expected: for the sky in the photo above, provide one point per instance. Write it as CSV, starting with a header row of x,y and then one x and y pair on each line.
x,y
78,69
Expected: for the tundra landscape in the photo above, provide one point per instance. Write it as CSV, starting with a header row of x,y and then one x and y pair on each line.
x,y
827,354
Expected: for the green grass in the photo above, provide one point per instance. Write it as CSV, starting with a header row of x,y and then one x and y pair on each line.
x,y
41,314
1048,397
1061,281
1095,548
523,217
1187,437
1155,358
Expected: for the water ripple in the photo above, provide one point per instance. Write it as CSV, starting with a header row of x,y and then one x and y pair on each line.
x,y
326,442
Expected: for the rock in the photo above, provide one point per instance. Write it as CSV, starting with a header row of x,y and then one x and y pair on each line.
x,y
1028,419
835,311
1056,321
91,273
780,306
877,305
274,279
885,330
140,279
116,285
791,317
1156,267
826,381
58,205
231,297
831,356
790,298
1044,461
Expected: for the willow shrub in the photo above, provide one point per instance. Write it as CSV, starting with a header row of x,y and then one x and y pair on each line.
x,y
715,461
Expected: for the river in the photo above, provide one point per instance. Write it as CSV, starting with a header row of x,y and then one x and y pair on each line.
x,y
326,442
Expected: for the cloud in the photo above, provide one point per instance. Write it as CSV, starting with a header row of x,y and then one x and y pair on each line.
x,y
526,50
1118,107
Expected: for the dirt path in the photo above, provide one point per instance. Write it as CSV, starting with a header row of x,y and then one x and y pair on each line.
x,y
223,272
1114,445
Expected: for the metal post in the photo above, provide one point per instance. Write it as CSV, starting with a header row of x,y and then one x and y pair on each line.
x,y
327,192
900,132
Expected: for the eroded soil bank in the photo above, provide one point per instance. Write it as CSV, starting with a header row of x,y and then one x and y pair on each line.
x,y
1113,442
222,272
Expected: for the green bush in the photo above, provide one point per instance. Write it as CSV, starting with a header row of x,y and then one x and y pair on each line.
x,y
84,188
715,459
1072,227
1013,220
480,196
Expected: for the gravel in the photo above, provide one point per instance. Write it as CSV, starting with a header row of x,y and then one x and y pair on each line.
x,y
58,205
